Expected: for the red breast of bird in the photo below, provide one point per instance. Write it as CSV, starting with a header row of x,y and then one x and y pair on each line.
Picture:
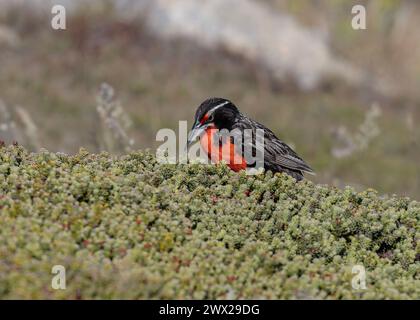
x,y
218,149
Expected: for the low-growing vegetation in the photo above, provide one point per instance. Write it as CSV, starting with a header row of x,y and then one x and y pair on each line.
x,y
129,227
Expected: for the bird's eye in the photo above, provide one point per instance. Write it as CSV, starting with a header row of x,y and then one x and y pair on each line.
x,y
211,118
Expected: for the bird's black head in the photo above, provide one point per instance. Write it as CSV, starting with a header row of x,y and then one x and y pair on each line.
x,y
217,112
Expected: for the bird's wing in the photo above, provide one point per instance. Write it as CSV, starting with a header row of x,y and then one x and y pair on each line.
x,y
276,152
290,160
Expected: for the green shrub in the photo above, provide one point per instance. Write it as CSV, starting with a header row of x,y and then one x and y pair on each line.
x,y
129,227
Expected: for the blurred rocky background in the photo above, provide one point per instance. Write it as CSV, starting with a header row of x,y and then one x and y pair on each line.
x,y
347,100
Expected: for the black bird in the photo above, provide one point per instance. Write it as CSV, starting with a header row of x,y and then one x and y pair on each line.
x,y
216,114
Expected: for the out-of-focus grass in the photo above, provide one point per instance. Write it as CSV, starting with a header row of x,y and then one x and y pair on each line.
x,y
55,75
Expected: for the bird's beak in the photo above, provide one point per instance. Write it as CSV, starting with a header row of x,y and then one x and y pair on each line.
x,y
195,132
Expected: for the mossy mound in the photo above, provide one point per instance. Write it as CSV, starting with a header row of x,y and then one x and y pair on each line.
x,y
129,227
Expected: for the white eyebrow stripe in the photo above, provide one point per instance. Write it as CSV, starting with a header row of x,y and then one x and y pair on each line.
x,y
211,111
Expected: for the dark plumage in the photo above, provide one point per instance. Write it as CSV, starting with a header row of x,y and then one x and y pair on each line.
x,y
221,114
